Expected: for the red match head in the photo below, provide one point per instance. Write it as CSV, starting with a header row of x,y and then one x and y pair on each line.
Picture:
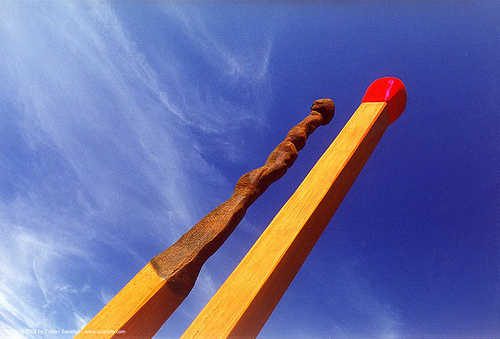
x,y
389,90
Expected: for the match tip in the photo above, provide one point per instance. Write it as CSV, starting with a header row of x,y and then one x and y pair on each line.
x,y
389,90
326,108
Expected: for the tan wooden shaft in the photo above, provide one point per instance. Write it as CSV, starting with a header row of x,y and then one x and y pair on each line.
x,y
137,311
148,300
248,297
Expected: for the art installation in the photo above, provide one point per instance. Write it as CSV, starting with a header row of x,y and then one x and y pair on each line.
x,y
248,297
181,263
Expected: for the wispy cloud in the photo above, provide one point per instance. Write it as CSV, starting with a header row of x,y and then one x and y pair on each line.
x,y
240,67
353,301
33,287
103,159
236,62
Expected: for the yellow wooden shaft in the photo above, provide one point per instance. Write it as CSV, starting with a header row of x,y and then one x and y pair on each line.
x,y
137,311
148,300
246,300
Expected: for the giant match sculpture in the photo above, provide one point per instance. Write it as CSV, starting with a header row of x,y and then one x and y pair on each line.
x,y
248,297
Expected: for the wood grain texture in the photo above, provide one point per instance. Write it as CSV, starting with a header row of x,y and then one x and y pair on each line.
x,y
180,264
137,311
245,301
148,300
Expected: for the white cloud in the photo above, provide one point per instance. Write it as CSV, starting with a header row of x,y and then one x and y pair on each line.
x,y
239,66
248,64
7,331
106,158
351,291
32,288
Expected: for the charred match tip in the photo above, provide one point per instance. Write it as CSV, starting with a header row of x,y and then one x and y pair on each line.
x,y
326,108
389,90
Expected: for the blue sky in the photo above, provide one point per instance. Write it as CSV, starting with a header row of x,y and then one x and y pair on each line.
x,y
124,123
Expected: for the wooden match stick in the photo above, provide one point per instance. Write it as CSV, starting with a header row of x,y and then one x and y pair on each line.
x,y
248,297
148,300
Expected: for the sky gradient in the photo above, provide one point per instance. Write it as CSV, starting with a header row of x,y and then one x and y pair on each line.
x,y
124,123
